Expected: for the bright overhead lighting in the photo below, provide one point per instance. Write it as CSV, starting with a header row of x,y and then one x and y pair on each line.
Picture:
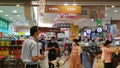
x,y
6,15
18,15
74,4
11,18
1,11
66,4
106,15
113,6
115,11
92,20
18,5
58,15
14,11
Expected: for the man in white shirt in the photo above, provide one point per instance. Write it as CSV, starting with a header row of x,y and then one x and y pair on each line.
x,y
30,52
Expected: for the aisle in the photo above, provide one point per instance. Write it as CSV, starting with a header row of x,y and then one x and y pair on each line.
x,y
66,65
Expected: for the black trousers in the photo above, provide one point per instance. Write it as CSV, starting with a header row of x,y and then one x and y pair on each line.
x,y
107,65
51,57
51,65
32,66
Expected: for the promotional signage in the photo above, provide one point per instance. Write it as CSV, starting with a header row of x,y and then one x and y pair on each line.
x,y
1,34
62,25
3,23
47,29
6,31
74,31
62,9
99,22
21,33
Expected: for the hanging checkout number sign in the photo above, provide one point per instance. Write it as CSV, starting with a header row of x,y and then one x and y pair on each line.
x,y
89,31
99,29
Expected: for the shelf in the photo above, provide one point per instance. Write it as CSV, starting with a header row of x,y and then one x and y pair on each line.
x,y
14,50
12,46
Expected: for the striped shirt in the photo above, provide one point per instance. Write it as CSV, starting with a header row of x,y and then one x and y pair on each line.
x,y
29,50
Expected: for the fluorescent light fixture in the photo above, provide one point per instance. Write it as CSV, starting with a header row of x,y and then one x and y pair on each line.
x,y
14,11
1,11
6,15
18,15
74,4
65,4
115,11
113,6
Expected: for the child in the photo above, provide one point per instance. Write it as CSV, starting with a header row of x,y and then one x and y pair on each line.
x,y
58,63
98,63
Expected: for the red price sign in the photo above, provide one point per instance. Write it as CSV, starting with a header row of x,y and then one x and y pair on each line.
x,y
1,34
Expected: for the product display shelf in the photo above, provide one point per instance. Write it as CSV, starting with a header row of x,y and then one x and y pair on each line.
x,y
14,50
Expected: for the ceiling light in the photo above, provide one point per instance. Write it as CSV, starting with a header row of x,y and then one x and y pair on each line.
x,y
113,6
14,11
18,15
11,18
74,4
1,11
18,5
115,11
92,20
58,15
6,15
106,15
66,4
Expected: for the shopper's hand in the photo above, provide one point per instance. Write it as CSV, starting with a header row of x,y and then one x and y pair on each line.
x,y
63,62
53,47
41,57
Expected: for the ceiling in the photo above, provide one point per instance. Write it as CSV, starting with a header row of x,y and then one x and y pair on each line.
x,y
50,18
13,14
83,0
110,13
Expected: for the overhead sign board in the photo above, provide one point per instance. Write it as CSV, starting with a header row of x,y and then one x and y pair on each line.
x,y
4,23
62,9
62,25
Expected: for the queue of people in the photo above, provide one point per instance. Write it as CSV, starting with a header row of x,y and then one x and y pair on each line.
x,y
41,55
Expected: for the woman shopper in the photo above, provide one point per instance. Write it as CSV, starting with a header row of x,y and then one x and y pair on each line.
x,y
74,56
108,54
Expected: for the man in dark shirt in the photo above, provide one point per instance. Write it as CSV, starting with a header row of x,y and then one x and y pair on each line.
x,y
53,51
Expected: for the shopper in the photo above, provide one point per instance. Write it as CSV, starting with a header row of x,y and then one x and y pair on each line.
x,y
108,54
30,51
53,51
44,62
58,63
98,63
74,56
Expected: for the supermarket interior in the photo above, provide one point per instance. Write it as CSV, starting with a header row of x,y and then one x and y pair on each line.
x,y
95,24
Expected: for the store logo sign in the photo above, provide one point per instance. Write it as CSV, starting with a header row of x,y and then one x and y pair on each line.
x,y
3,24
62,9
